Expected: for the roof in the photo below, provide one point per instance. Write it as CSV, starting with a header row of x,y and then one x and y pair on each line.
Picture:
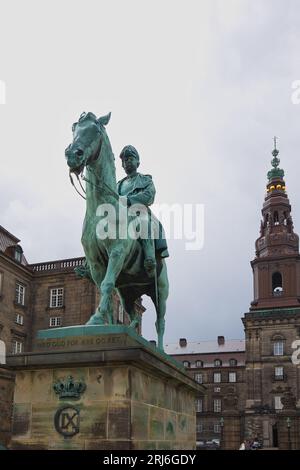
x,y
204,347
8,240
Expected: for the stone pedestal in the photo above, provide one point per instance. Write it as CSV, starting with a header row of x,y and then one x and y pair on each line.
x,y
7,380
101,388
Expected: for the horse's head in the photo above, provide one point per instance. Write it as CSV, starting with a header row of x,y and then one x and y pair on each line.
x,y
87,140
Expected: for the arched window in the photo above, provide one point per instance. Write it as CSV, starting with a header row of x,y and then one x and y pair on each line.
x,y
217,362
186,363
277,283
276,218
278,342
232,362
199,364
267,220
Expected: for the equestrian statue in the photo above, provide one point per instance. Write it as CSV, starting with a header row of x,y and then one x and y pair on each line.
x,y
124,243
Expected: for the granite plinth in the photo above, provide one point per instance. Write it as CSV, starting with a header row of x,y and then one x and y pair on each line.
x,y
133,397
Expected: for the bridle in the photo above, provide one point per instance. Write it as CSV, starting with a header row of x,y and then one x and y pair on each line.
x,y
98,187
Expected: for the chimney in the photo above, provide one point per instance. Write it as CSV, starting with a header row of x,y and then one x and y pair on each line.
x,y
182,342
221,340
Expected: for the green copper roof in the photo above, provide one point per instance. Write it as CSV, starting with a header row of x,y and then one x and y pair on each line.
x,y
275,172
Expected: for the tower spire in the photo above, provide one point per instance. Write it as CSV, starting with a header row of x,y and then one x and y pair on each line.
x,y
276,174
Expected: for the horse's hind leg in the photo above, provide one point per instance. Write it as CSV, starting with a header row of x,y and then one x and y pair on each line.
x,y
128,305
163,292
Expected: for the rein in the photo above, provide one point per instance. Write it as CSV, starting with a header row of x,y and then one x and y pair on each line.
x,y
72,182
97,187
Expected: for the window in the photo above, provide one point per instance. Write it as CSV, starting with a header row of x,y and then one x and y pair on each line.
x,y
18,254
19,319
277,403
232,362
277,284
199,405
55,321
17,347
217,389
20,294
278,373
199,364
217,377
120,314
57,297
1,282
199,378
186,363
217,428
217,405
199,427
217,362
232,376
278,348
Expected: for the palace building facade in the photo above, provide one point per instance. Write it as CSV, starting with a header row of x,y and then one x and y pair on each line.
x,y
252,385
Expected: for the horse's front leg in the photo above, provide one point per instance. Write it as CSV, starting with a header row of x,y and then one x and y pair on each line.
x,y
115,264
98,274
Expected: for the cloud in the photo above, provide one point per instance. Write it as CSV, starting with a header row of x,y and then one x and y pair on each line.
x,y
199,88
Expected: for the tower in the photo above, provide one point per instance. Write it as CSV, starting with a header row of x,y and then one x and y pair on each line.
x,y
276,267
273,322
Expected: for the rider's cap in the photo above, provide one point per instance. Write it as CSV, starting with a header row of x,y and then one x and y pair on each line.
x,y
130,150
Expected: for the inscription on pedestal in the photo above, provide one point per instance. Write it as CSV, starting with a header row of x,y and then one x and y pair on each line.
x,y
81,342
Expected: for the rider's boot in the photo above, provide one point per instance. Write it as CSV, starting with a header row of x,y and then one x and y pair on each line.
x,y
149,255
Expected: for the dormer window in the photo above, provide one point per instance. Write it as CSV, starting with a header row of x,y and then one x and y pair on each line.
x,y
18,254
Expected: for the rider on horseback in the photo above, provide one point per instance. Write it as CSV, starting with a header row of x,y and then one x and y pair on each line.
x,y
139,189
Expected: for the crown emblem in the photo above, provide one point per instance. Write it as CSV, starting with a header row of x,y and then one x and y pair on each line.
x,y
69,388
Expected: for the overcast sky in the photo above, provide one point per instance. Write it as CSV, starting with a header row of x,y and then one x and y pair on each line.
x,y
199,87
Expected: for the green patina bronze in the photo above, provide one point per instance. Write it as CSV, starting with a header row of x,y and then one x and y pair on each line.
x,y
133,267
276,172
